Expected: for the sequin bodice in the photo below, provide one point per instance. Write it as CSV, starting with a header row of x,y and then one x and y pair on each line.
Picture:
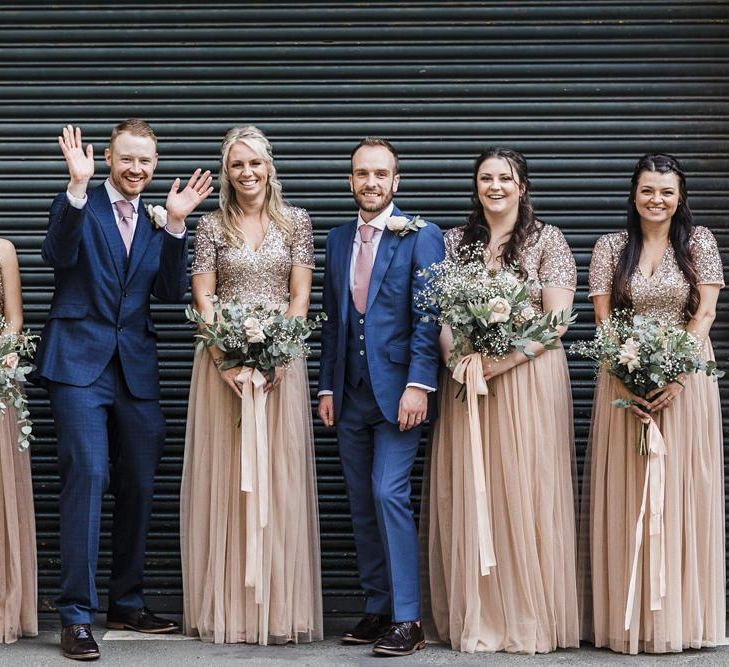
x,y
663,295
258,276
545,258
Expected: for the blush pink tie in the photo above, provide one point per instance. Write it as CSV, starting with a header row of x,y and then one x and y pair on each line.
x,y
125,209
363,268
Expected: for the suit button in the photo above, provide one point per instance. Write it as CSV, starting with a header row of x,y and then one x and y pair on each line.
x,y
120,329
361,353
361,337
361,321
125,295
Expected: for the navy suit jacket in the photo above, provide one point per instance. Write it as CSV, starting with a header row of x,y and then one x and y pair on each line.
x,y
400,347
101,302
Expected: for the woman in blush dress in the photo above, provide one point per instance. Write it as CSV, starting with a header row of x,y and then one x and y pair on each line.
x,y
528,602
665,267
18,582
259,249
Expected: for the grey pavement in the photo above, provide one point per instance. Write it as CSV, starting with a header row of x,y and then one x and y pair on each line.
x,y
119,650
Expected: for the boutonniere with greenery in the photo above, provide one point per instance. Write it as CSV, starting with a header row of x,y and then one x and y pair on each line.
x,y
402,226
157,215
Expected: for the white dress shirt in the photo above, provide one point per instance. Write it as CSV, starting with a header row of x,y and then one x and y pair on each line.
x,y
115,196
379,222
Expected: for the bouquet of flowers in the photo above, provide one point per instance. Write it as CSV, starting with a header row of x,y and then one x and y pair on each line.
x,y
489,311
644,355
254,335
16,351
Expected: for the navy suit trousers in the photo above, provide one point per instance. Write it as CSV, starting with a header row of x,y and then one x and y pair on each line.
x,y
107,438
377,459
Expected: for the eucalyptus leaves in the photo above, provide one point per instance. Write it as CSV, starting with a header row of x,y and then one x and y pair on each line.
x,y
16,351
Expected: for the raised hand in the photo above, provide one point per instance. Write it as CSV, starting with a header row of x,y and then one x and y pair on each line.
x,y
180,203
80,162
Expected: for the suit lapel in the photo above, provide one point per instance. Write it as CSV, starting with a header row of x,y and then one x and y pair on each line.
x,y
100,207
345,248
142,236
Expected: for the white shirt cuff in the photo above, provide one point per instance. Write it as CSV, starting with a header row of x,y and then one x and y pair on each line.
x,y
177,235
325,392
421,386
76,202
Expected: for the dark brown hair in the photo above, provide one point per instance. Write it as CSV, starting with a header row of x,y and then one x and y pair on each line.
x,y
377,141
135,126
678,234
477,228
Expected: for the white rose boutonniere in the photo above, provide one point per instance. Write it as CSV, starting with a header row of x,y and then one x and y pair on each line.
x,y
400,225
158,216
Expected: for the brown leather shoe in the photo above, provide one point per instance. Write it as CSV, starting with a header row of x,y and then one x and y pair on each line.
x,y
369,629
139,620
78,643
401,639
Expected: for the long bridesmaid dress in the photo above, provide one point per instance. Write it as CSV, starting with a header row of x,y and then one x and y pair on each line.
x,y
18,580
528,603
286,604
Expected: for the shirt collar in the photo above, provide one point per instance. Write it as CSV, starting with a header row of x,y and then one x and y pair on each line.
x,y
115,195
378,222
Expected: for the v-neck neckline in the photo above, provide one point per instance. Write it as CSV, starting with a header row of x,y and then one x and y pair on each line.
x,y
263,240
659,266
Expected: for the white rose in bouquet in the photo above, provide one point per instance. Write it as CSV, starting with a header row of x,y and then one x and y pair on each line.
x,y
500,310
254,330
629,355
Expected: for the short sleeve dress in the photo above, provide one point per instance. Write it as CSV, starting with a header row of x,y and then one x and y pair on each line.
x,y
18,580
693,609
219,604
528,603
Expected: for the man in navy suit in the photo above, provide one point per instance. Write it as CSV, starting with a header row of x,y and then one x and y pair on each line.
x,y
98,359
379,367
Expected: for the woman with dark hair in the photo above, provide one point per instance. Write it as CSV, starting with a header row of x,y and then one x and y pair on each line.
x,y
665,267
528,601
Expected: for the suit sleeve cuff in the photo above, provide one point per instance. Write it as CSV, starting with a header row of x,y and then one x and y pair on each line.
x,y
76,202
421,386
325,392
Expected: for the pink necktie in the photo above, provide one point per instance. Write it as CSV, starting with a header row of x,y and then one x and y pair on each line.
x,y
363,268
125,209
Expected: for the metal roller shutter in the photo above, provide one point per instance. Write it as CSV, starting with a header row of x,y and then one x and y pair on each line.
x,y
581,87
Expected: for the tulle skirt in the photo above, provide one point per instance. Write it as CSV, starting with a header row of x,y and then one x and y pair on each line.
x,y
218,606
693,611
18,580
528,603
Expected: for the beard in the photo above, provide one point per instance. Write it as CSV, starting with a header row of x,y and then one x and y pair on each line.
x,y
373,207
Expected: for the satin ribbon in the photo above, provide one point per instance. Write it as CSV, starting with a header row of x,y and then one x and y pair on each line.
x,y
469,371
254,472
654,493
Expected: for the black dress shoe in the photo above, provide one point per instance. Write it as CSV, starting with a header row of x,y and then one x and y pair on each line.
x,y
78,643
139,620
369,629
401,639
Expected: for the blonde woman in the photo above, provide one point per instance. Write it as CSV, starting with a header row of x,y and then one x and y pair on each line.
x,y
257,248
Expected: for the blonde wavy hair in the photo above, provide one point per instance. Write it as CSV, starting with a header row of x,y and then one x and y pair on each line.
x,y
275,205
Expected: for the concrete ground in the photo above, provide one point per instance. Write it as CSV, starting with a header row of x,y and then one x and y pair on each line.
x,y
132,649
